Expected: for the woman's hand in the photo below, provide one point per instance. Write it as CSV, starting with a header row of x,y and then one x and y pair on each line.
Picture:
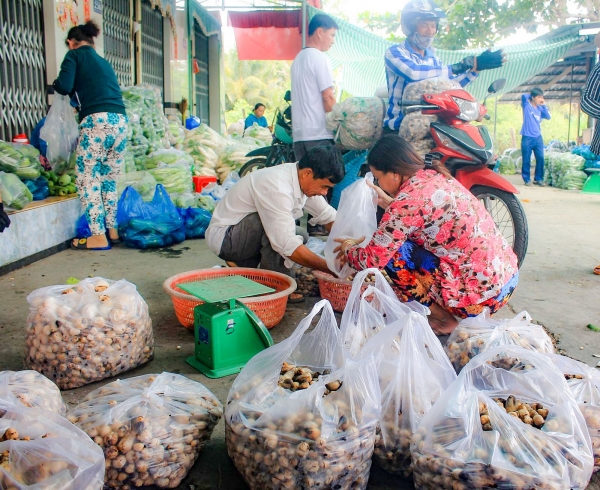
x,y
383,199
344,245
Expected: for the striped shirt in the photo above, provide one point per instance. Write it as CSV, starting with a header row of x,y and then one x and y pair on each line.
x,y
590,104
403,65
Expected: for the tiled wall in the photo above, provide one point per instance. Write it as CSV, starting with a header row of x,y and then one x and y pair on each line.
x,y
38,229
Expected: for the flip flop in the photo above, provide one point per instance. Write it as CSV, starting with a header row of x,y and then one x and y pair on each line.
x,y
597,270
112,241
82,245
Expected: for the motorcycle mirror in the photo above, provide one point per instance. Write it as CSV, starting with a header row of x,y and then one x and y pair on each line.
x,y
497,85
288,96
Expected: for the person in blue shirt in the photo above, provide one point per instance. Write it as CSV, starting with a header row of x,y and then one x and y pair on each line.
x,y
534,110
257,117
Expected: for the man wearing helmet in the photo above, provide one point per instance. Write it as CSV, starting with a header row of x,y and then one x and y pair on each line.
x,y
414,60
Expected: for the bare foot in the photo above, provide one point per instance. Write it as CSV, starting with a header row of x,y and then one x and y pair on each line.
x,y
441,321
94,241
113,233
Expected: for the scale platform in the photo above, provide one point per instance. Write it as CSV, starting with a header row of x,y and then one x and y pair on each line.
x,y
592,184
227,334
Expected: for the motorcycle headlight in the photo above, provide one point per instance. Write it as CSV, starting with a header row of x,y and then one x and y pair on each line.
x,y
469,111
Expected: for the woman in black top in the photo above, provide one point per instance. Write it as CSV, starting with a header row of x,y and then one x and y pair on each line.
x,y
102,133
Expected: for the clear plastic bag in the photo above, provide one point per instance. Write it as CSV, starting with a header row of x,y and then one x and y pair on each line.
x,y
367,312
413,372
31,389
468,440
475,335
356,217
151,428
357,122
60,130
584,384
143,182
41,450
316,437
87,332
316,246
15,194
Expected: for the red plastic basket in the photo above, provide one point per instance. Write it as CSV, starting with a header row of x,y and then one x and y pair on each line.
x,y
270,308
335,290
201,181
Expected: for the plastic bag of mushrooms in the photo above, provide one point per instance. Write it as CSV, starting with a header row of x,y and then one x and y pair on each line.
x,y
413,369
299,415
475,335
415,125
151,428
83,333
508,421
42,450
584,383
31,389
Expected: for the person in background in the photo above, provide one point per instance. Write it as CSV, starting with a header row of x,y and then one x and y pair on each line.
x,y
258,117
534,110
414,59
254,224
312,91
436,241
102,133
4,219
590,104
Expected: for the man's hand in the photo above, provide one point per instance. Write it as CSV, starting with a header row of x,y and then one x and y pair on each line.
x,y
4,219
489,60
303,256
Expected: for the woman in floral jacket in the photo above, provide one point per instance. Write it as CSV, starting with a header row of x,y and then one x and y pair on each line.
x,y
436,240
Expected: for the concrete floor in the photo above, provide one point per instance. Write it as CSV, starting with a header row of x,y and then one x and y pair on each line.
x,y
556,287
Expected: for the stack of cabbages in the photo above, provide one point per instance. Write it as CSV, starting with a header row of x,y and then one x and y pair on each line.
x,y
357,122
87,332
415,125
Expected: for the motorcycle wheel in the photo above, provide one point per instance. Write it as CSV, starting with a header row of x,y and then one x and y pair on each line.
x,y
253,165
509,216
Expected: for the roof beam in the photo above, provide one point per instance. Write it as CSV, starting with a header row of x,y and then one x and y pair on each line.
x,y
565,73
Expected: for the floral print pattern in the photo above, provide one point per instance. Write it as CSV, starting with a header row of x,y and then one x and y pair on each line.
x,y
441,216
100,154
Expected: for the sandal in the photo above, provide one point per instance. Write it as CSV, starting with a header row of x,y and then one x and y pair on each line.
x,y
112,241
82,245
295,298
597,270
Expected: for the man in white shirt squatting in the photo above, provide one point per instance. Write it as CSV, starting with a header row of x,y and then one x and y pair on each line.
x,y
254,224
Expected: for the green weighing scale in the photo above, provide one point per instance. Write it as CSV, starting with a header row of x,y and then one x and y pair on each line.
x,y
592,184
227,334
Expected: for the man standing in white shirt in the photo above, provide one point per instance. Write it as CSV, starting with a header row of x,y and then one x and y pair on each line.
x,y
254,224
312,86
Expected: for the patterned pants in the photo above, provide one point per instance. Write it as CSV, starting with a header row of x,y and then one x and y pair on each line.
x,y
413,270
100,152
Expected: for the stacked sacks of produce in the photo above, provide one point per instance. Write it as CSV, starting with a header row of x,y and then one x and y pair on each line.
x,y
413,369
357,122
175,132
41,450
143,104
143,182
84,333
233,156
508,421
592,160
171,168
151,428
31,389
510,162
415,125
151,224
477,334
299,415
20,159
15,194
203,143
564,170
258,132
584,384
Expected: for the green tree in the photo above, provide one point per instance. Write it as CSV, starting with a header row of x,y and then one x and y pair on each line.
x,y
481,23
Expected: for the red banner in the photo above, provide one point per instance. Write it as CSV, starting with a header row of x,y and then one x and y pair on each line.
x,y
87,10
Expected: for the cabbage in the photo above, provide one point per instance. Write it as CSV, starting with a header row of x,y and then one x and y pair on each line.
x,y
176,178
